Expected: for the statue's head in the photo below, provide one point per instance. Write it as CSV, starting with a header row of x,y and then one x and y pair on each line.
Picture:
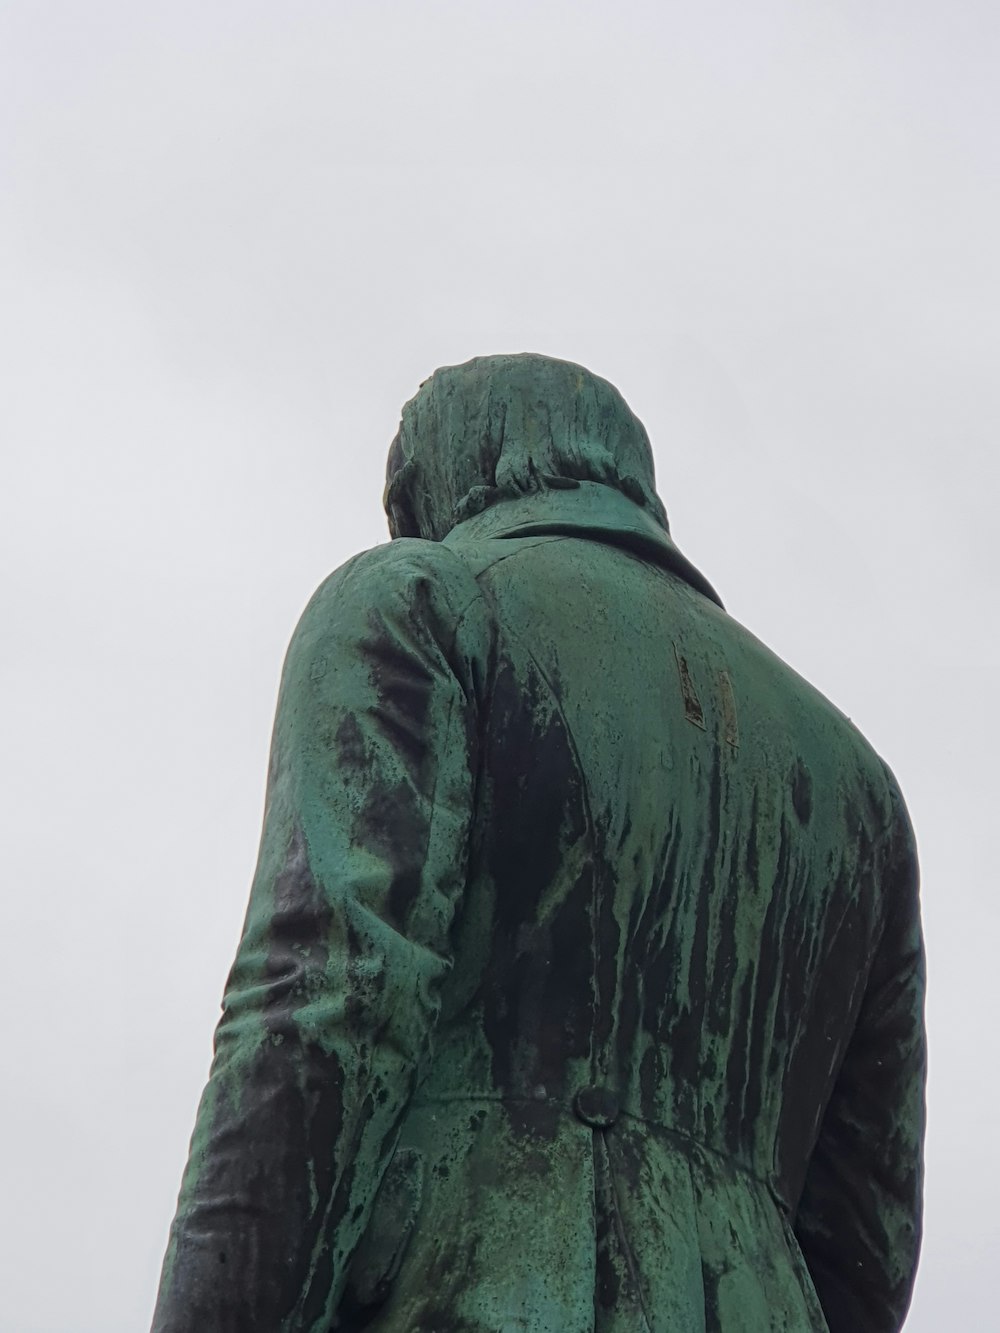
x,y
500,427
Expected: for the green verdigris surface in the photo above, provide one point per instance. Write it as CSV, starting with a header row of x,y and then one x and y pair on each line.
x,y
581,982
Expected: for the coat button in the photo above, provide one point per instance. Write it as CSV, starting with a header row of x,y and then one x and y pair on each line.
x,y
596,1106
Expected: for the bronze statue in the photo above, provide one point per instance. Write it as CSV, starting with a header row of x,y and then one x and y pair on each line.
x,y
581,983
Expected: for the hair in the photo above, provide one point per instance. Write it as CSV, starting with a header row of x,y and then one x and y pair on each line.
x,y
499,427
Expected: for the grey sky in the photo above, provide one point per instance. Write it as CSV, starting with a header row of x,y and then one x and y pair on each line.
x,y
233,239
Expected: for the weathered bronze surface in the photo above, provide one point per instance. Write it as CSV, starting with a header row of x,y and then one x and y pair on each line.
x,y
581,982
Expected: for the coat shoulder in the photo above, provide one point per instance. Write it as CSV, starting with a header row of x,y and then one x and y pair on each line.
x,y
406,578
407,598
394,568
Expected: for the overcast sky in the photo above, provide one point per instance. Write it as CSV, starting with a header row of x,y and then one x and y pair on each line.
x,y
234,238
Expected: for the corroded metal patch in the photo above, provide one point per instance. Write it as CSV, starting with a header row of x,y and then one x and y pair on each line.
x,y
693,710
730,722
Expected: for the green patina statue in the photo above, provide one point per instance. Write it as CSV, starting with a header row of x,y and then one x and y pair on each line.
x,y
581,983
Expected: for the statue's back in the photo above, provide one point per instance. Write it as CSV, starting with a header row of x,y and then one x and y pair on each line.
x,y
683,861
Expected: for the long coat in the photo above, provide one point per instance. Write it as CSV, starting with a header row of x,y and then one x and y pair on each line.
x,y
581,983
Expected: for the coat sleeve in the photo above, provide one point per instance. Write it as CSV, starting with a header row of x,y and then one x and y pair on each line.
x,y
859,1218
331,1003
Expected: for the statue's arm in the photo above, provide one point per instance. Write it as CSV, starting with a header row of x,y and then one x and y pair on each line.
x,y
859,1219
334,993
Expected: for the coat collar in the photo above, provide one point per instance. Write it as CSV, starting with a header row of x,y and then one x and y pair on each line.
x,y
583,509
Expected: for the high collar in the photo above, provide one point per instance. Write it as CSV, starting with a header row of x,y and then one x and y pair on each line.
x,y
583,509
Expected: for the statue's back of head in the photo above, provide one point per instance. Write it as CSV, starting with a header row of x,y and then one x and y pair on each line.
x,y
499,427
